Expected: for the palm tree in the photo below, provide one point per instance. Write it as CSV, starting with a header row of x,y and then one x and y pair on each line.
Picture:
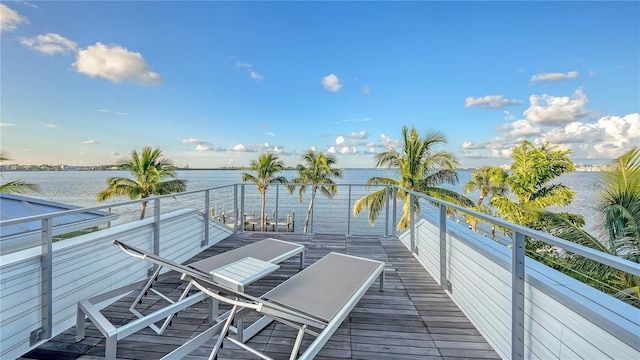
x,y
316,171
488,181
421,167
266,168
16,186
619,205
148,169
532,171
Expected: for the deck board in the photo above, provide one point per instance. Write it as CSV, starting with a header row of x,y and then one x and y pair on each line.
x,y
412,319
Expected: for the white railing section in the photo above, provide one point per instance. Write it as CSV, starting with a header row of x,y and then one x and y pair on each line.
x,y
523,308
41,285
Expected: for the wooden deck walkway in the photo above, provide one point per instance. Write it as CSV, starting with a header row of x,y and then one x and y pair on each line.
x,y
411,319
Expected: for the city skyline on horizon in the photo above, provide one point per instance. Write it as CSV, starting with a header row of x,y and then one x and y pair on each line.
x,y
213,84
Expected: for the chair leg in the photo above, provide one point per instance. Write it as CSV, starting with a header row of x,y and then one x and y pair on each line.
x,y
223,333
296,346
111,348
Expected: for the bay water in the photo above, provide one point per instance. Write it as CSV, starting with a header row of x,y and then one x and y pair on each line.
x,y
79,188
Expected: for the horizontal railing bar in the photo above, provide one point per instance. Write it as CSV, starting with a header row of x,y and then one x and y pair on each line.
x,y
99,207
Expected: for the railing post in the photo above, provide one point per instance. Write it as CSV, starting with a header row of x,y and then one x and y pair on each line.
x,y
156,227
517,295
443,247
237,215
395,208
156,234
275,229
205,241
241,208
411,225
311,224
46,292
386,212
349,212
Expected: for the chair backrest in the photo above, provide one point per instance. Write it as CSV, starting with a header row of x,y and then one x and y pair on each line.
x,y
327,286
269,250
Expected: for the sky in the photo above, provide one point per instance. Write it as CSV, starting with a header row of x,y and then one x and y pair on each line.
x,y
214,84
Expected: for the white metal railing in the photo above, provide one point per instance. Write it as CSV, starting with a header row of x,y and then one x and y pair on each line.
x,y
230,204
518,270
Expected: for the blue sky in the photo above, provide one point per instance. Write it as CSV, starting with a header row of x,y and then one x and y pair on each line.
x,y
216,83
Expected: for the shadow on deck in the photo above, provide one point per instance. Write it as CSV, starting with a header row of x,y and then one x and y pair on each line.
x,y
412,319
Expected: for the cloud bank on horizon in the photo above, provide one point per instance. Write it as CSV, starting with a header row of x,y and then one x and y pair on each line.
x,y
188,97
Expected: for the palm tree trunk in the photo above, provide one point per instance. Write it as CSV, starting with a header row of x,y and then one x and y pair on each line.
x,y
262,222
313,196
143,205
481,199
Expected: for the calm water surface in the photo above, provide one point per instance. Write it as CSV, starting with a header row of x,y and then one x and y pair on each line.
x,y
80,187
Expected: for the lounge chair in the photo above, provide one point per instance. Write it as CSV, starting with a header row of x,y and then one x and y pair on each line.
x,y
268,251
315,301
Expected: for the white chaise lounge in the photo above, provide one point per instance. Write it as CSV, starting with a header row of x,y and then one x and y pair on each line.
x,y
268,251
315,301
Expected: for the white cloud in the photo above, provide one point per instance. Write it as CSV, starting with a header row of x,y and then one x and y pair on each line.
x,y
201,145
9,19
358,135
270,133
519,128
313,148
238,148
90,142
549,110
490,102
192,141
554,76
243,65
371,148
115,63
7,124
388,143
204,147
255,76
47,125
349,150
331,83
241,148
249,67
331,150
340,141
471,145
112,112
277,150
607,138
366,90
265,146
50,44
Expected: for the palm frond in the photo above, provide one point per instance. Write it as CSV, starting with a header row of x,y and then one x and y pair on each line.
x,y
18,187
374,202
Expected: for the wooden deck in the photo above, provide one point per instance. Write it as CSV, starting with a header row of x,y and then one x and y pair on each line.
x,y
411,319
